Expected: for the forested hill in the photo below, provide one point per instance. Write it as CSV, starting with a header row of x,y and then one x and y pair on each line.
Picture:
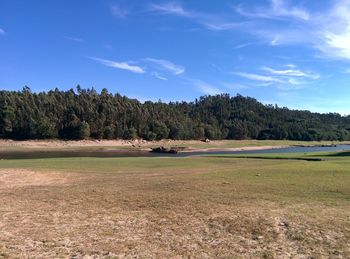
x,y
85,113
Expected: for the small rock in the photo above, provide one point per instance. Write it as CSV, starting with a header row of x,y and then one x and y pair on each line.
x,y
258,237
284,223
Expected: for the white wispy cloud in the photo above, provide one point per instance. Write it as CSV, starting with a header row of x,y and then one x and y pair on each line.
x,y
258,77
173,8
120,65
244,45
223,26
291,23
285,79
289,35
338,44
74,39
154,64
278,9
159,76
209,21
276,40
334,31
167,65
2,31
207,89
118,11
328,31
292,72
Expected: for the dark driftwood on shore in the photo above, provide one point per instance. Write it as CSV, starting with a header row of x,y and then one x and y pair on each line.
x,y
164,150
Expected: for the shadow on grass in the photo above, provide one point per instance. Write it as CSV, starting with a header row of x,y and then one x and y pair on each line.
x,y
310,159
339,154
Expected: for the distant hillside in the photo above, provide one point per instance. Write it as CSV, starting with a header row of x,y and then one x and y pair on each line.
x,y
85,113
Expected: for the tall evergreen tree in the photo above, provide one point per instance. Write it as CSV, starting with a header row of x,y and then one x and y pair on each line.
x,y
84,113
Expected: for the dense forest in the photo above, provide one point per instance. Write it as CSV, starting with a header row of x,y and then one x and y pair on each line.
x,y
85,113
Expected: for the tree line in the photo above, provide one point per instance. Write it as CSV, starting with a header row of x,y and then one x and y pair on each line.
x,y
85,113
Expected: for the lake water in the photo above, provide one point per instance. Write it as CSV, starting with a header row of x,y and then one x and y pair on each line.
x,y
119,153
277,150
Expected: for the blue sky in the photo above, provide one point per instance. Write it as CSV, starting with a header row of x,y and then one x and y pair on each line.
x,y
290,53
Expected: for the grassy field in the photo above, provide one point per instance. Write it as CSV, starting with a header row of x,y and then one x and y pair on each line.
x,y
200,207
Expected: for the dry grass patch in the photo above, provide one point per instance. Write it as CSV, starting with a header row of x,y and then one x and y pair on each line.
x,y
16,178
174,208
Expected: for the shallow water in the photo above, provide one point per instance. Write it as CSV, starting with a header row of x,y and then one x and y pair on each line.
x,y
286,150
119,153
67,154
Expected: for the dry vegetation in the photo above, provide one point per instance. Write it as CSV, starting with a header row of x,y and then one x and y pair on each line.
x,y
174,208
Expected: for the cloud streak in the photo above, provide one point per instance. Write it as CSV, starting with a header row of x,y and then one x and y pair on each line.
x,y
244,45
207,89
167,65
278,9
120,65
2,31
223,26
209,21
171,8
285,79
150,64
291,71
159,76
74,39
258,77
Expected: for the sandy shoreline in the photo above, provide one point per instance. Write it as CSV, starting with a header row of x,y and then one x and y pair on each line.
x,y
129,145
145,146
68,143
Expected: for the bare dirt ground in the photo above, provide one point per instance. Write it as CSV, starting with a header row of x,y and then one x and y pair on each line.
x,y
161,213
70,143
16,178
